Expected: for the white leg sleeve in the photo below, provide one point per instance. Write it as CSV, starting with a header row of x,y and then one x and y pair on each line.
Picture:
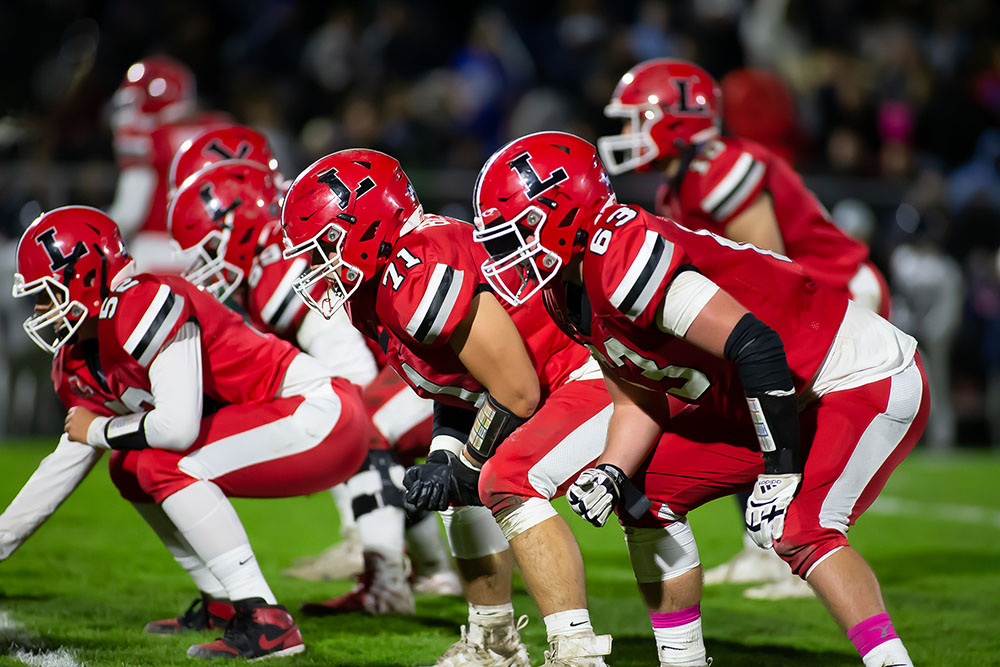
x,y
179,548
472,532
659,554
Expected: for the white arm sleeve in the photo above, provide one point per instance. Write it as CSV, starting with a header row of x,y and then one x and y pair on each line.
x,y
336,342
53,481
686,295
176,384
133,199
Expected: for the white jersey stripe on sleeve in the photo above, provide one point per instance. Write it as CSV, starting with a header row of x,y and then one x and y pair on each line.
x,y
284,304
643,278
434,308
431,387
734,188
154,326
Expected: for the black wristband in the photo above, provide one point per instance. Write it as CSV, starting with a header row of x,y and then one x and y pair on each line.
x,y
494,422
127,432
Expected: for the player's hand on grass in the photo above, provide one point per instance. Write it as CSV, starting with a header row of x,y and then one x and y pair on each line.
x,y
595,493
77,422
766,507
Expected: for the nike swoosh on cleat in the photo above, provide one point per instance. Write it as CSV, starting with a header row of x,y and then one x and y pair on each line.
x,y
268,644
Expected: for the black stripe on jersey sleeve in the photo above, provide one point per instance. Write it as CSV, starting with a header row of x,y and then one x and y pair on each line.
x,y
647,273
732,191
290,296
154,327
435,308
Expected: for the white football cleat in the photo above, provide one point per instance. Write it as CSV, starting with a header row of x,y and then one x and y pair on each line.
x,y
583,650
442,582
343,560
789,587
750,566
500,646
382,589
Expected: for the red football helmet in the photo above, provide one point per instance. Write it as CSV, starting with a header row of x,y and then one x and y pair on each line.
x,y
669,104
531,200
228,143
343,211
155,90
217,219
69,258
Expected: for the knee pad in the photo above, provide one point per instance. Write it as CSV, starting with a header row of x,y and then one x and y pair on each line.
x,y
659,554
472,532
517,515
376,484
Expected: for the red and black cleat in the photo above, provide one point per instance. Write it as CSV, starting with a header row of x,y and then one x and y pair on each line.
x,y
205,613
257,631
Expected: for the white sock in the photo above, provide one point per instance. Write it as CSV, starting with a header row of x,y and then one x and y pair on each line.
x,y
569,622
891,652
681,644
179,548
342,497
207,520
426,548
381,530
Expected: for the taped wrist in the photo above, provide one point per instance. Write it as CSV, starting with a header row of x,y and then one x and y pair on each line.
x,y
630,499
492,425
127,432
759,355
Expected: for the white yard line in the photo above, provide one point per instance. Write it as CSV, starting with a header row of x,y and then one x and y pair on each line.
x,y
24,649
941,511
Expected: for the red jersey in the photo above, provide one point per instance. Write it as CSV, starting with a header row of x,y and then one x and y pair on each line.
x,y
425,290
78,380
156,149
729,174
630,262
269,300
142,314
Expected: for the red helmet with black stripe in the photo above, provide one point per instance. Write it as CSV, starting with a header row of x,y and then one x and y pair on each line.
x,y
530,201
68,259
343,212
667,105
237,142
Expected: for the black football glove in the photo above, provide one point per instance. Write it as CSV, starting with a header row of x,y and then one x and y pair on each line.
x,y
441,481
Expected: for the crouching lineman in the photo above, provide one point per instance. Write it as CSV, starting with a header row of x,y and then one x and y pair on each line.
x,y
669,310
356,217
225,219
135,355
733,187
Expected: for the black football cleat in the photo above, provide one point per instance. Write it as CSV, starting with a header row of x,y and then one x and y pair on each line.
x,y
205,613
257,631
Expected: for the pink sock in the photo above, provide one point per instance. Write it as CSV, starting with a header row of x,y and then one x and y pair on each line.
x,y
872,632
672,619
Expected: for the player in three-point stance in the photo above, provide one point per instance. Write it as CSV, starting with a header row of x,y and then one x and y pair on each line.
x,y
139,358
832,396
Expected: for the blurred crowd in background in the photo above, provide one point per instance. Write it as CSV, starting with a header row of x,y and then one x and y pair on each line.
x,y
889,108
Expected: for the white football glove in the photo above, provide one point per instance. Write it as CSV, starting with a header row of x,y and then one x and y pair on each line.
x,y
765,515
595,493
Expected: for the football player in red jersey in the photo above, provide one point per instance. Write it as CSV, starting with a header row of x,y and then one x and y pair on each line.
x,y
136,355
412,280
154,111
226,217
745,335
739,189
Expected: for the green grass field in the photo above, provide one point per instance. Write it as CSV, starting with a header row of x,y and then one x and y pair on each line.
x,y
94,574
